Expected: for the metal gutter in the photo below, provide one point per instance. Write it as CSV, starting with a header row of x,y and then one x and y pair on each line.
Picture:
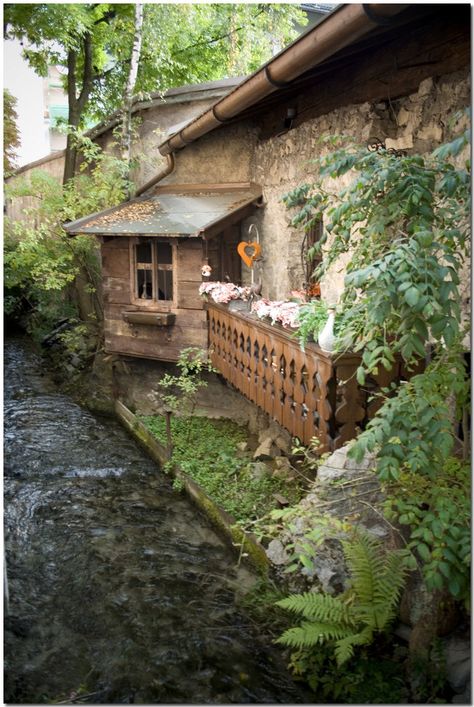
x,y
343,27
169,167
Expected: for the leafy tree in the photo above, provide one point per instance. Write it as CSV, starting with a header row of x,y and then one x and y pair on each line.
x,y
11,135
180,44
41,263
130,85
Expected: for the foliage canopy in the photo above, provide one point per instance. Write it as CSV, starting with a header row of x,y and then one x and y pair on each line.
x,y
40,261
182,43
11,135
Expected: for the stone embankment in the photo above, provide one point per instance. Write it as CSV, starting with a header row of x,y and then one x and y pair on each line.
x,y
348,495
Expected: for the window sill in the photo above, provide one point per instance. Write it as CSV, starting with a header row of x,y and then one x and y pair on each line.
x,y
150,318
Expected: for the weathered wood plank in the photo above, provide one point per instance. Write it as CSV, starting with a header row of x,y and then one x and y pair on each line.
x,y
188,295
189,261
175,335
116,263
116,290
115,243
162,351
185,317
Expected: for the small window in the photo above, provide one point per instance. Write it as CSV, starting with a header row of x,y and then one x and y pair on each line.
x,y
153,271
311,261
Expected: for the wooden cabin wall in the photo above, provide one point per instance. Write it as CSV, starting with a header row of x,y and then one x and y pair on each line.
x,y
162,343
223,257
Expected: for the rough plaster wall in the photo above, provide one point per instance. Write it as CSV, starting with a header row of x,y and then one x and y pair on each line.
x,y
418,122
152,126
222,155
281,164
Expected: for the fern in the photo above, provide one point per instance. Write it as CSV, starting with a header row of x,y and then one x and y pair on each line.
x,y
312,633
344,648
312,605
377,581
366,561
350,619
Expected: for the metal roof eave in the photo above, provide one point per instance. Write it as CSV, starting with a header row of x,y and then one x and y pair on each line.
x,y
228,215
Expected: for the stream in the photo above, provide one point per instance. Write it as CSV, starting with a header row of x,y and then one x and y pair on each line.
x,y
119,589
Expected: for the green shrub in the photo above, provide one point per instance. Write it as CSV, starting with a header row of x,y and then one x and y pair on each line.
x,y
206,450
351,619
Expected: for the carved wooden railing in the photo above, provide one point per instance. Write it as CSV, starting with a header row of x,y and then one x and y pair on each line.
x,y
310,393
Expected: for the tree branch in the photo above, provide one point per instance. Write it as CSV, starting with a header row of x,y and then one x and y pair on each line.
x,y
88,73
71,80
216,39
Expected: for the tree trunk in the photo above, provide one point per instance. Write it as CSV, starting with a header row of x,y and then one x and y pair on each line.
x,y
71,152
130,87
76,103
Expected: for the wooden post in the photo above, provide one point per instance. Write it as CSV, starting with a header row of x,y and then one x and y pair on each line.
x,y
169,439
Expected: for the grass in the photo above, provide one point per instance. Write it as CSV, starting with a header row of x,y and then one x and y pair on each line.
x,y
206,450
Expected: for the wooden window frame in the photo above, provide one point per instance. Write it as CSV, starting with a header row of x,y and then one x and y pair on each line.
x,y
152,304
312,236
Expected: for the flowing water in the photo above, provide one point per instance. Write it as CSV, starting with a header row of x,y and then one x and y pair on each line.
x,y
119,590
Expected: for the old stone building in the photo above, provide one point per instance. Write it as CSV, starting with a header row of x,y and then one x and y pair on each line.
x,y
400,80
397,73
397,76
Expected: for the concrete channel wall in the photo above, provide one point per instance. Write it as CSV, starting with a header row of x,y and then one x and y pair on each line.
x,y
248,548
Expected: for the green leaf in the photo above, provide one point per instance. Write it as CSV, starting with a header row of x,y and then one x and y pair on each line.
x,y
454,586
445,569
423,552
412,296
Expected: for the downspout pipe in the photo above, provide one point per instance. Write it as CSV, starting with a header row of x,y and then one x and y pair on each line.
x,y
343,27
169,167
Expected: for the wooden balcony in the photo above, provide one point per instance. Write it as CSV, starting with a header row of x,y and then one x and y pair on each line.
x,y
310,393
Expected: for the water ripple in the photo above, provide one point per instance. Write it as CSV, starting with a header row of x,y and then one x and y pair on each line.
x,y
118,586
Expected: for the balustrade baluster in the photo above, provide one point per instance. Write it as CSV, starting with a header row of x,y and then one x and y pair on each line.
x,y
350,410
299,382
309,393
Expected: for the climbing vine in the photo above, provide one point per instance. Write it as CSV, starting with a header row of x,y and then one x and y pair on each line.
x,y
404,220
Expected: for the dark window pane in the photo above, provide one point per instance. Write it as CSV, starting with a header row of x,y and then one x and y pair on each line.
x,y
165,284
144,284
144,253
164,254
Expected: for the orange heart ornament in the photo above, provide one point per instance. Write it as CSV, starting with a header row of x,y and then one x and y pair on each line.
x,y
247,257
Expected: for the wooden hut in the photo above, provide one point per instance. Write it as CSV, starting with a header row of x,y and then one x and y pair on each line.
x,y
153,250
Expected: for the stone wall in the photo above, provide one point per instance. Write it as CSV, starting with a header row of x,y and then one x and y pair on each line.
x,y
418,121
234,153
223,155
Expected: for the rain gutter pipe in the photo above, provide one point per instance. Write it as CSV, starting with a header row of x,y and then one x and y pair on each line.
x,y
341,28
169,167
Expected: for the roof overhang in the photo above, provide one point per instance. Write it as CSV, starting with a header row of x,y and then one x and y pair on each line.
x,y
343,27
174,211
